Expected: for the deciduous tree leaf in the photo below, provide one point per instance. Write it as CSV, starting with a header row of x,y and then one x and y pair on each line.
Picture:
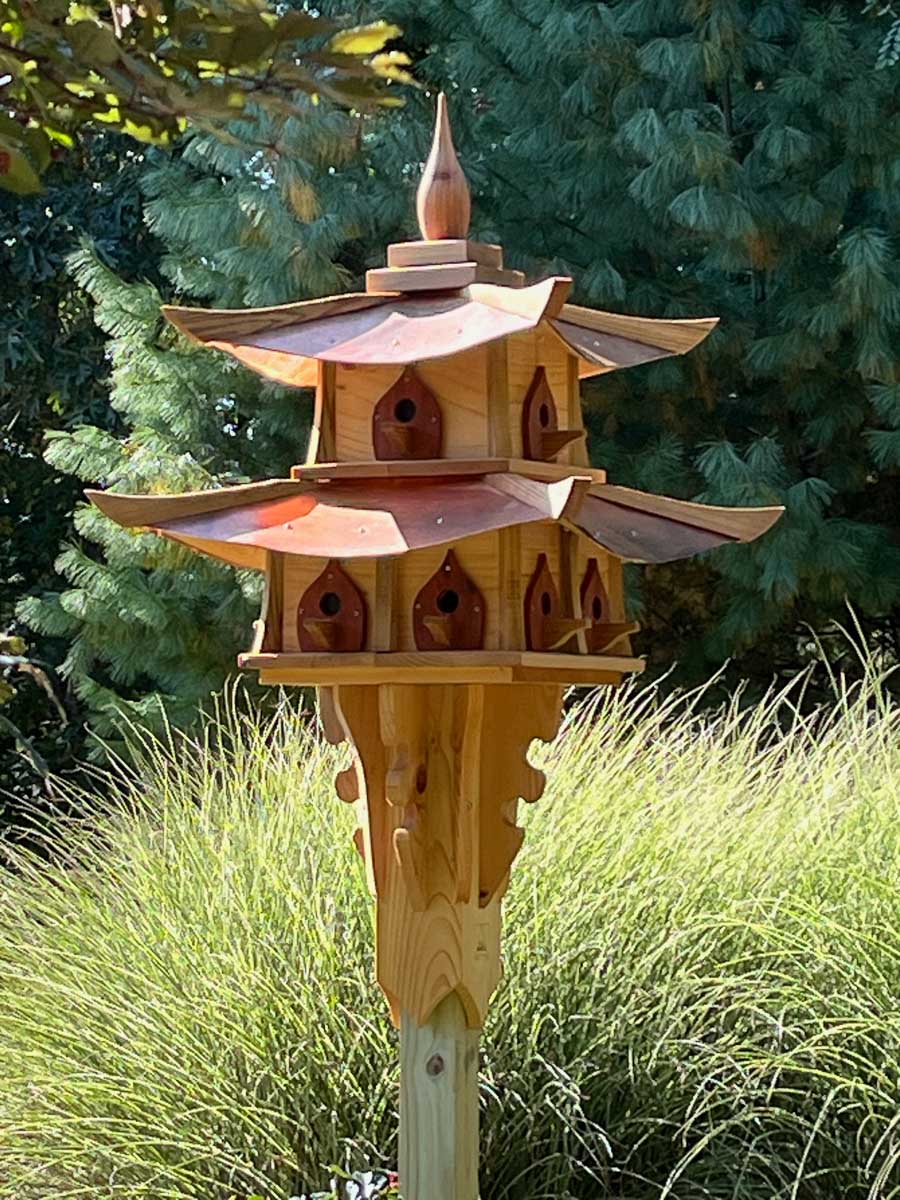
x,y
364,39
17,174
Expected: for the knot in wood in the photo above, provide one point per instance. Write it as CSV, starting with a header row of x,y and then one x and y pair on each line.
x,y
435,1065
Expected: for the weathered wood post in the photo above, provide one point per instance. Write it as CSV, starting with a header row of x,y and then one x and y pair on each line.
x,y
440,567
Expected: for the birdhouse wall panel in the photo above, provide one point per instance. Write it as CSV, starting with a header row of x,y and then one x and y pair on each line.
x,y
357,391
459,382
521,363
540,538
321,439
300,572
552,355
479,558
271,614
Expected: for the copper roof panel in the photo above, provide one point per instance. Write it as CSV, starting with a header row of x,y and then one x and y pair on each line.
x,y
642,527
606,350
409,330
284,342
355,519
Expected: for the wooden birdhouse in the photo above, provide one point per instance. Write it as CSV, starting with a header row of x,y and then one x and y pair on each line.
x,y
443,563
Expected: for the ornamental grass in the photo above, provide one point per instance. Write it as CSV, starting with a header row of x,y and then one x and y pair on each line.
x,y
702,953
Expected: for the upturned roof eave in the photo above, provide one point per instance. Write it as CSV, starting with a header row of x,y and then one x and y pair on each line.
x,y
286,342
370,518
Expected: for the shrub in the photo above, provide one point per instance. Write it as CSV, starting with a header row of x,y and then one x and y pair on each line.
x,y
702,970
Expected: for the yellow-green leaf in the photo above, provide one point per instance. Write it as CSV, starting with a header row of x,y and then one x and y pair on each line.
x,y
58,135
145,133
79,89
82,12
364,39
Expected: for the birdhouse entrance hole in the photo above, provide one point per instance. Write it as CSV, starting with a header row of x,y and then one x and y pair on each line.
x,y
448,601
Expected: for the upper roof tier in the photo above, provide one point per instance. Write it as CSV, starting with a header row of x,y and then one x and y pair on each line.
x,y
285,342
436,297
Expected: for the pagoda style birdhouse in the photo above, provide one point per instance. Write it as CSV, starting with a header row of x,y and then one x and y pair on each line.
x,y
443,564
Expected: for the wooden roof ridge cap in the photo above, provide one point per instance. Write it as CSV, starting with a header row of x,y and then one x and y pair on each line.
x,y
553,499
692,513
676,334
186,318
548,295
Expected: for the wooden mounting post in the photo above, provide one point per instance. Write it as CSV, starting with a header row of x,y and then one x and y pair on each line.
x,y
438,773
439,1105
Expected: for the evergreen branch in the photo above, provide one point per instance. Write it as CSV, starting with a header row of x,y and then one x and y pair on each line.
x,y
557,218
26,748
44,675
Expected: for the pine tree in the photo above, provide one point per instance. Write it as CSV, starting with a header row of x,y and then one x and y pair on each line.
x,y
677,158
52,377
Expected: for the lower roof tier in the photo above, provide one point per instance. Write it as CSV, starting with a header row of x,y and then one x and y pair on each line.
x,y
376,515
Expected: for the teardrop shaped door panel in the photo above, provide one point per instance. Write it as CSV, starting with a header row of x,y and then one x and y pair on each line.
x,y
546,625
542,439
449,611
407,422
600,633
331,615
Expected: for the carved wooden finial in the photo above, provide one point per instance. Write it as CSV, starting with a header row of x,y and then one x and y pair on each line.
x,y
443,205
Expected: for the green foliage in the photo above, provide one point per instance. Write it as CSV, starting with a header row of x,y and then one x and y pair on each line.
x,y
889,50
700,989
53,377
150,69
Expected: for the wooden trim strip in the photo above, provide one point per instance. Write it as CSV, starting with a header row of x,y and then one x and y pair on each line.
x,y
676,336
144,511
444,467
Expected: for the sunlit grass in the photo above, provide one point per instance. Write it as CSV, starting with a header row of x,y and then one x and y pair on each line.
x,y
702,970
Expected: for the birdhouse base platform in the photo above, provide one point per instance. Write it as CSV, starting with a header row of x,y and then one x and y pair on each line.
x,y
442,666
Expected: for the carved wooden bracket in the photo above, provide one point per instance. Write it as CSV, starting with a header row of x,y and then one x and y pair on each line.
x,y
449,611
331,615
542,438
600,633
514,716
438,773
546,628
407,421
